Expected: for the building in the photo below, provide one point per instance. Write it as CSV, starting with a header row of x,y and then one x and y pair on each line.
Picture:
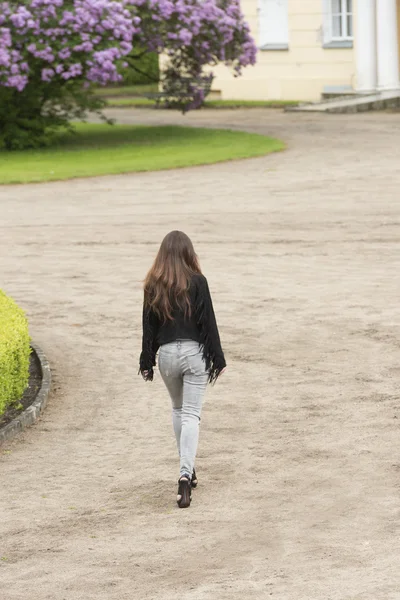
x,y
311,47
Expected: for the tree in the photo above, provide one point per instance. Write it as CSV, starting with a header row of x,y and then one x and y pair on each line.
x,y
53,53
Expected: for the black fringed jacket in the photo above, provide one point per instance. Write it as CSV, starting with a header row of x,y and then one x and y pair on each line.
x,y
201,327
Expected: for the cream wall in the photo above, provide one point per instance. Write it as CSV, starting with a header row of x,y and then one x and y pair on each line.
x,y
300,73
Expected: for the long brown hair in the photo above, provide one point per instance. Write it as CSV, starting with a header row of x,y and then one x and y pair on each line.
x,y
167,283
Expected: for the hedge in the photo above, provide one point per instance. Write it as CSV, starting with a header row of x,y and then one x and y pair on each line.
x,y
14,352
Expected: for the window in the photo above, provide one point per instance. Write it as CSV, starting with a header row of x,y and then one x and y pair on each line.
x,y
342,19
273,24
338,23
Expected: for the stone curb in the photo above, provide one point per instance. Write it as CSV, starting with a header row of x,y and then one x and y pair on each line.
x,y
30,414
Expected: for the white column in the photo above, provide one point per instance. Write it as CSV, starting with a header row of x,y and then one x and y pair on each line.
x,y
387,45
365,46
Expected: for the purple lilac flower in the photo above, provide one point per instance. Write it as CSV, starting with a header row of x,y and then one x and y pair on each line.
x,y
88,39
47,74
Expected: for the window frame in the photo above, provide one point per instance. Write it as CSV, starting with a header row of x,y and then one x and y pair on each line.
x,y
335,41
344,15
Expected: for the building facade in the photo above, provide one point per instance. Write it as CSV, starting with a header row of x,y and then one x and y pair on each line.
x,y
311,47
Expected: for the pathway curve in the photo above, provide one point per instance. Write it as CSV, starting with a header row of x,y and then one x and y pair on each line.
x,y
299,466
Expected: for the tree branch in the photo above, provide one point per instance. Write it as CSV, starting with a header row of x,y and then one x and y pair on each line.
x,y
137,56
135,68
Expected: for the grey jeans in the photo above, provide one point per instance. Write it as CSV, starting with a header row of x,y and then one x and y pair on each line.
x,y
183,371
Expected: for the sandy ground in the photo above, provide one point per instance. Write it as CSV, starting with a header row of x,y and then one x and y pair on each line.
x,y
299,462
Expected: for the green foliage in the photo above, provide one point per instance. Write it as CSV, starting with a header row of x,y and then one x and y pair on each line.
x,y
29,119
141,70
14,352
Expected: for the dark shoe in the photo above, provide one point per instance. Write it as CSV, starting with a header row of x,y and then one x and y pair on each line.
x,y
184,493
194,481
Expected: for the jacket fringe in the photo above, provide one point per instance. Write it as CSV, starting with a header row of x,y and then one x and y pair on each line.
x,y
214,362
149,348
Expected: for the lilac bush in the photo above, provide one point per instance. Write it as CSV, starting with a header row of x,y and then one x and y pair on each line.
x,y
53,53
195,34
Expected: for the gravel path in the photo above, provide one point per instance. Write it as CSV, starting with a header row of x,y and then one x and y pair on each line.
x,y
299,464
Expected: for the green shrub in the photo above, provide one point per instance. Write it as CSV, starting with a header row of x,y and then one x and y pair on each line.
x,y
14,352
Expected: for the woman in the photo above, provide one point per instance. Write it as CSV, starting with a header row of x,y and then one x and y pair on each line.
x,y
178,319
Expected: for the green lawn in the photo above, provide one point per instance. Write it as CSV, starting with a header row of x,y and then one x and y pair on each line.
x,y
132,102
104,149
134,96
128,90
249,103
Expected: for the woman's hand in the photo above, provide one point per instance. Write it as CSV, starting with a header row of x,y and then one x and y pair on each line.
x,y
148,374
